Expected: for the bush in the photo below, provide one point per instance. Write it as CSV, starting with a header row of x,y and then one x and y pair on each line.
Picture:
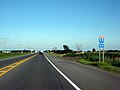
x,y
114,63
70,55
91,56
104,66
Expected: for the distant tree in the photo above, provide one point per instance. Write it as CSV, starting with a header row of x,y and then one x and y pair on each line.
x,y
93,50
88,51
66,47
55,48
79,47
24,51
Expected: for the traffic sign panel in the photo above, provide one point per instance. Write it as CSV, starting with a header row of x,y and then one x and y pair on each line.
x,y
101,45
101,41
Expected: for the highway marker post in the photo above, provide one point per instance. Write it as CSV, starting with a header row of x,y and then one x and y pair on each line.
x,y
101,47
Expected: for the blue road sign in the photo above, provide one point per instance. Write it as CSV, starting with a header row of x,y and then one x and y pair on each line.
x,y
101,45
101,41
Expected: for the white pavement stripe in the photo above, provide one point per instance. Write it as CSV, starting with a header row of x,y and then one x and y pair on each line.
x,y
73,84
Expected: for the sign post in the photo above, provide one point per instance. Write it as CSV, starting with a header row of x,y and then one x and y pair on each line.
x,y
103,55
101,47
99,55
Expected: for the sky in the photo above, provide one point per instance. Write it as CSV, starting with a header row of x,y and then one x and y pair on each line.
x,y
45,24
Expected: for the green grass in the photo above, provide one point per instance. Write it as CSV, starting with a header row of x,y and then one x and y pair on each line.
x,y
83,61
103,66
8,55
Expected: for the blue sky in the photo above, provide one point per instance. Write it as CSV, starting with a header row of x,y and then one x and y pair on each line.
x,y
45,24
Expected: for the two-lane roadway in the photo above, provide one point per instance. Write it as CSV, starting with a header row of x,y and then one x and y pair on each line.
x,y
34,74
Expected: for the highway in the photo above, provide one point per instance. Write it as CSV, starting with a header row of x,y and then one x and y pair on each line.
x,y
35,72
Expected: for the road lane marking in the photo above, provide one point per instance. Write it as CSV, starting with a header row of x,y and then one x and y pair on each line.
x,y
61,73
11,66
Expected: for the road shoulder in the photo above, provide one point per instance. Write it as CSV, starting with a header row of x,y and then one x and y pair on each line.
x,y
83,74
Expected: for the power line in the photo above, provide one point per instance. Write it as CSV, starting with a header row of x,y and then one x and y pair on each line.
x,y
3,42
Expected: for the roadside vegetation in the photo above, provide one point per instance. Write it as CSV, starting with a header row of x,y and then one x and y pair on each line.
x,y
111,63
101,65
13,53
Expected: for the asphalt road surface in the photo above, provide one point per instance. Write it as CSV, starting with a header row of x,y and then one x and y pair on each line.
x,y
7,61
38,74
34,74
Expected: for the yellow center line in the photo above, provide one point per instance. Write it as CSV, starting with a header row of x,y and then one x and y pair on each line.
x,y
11,66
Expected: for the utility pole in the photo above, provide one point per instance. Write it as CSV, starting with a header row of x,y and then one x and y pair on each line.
x,y
3,41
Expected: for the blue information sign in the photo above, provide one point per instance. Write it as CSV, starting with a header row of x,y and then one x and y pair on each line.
x,y
101,41
101,45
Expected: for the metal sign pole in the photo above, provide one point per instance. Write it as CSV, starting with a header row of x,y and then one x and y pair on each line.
x,y
99,55
103,55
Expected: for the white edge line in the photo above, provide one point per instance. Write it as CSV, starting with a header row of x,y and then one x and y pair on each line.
x,y
73,84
